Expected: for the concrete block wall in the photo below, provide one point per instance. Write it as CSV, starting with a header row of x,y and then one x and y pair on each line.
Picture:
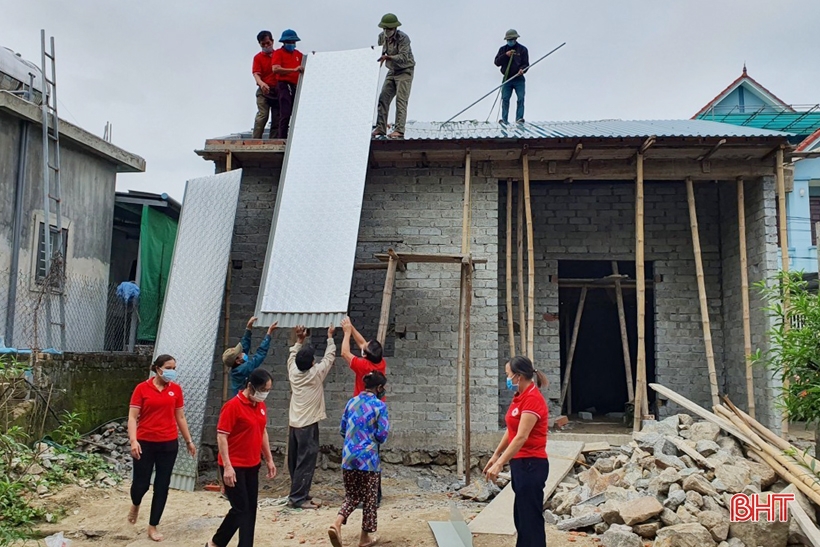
x,y
596,222
410,210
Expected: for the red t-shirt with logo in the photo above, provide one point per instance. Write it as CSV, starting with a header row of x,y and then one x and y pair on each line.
x,y
360,367
287,59
263,66
529,402
244,422
157,419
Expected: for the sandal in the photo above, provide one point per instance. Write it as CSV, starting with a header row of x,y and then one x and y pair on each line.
x,y
374,541
335,536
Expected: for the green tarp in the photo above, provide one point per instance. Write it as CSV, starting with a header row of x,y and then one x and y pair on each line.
x,y
158,233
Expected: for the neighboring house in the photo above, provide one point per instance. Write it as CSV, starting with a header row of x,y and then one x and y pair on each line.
x,y
145,228
746,102
89,167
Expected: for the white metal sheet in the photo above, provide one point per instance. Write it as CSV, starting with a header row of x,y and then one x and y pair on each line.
x,y
193,299
309,263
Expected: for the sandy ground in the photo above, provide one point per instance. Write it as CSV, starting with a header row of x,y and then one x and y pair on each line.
x,y
96,517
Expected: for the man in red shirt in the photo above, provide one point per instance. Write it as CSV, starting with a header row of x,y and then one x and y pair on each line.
x,y
266,99
371,355
287,66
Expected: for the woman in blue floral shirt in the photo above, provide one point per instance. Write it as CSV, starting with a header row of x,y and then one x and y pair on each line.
x,y
364,427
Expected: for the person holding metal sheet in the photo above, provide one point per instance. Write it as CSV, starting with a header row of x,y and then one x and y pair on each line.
x,y
287,65
236,358
370,359
524,446
155,418
514,59
398,56
267,102
242,436
364,426
307,409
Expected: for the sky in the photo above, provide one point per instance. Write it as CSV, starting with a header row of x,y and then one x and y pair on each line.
x,y
170,74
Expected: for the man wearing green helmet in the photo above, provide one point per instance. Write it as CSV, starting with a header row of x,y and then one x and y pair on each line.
x,y
398,57
514,59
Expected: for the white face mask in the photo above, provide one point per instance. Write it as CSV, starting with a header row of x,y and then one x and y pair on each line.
x,y
389,32
259,396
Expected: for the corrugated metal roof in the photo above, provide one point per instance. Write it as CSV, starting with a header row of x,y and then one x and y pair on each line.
x,y
589,129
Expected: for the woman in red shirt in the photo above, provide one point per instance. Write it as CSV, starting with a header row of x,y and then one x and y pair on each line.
x,y
154,419
242,436
524,446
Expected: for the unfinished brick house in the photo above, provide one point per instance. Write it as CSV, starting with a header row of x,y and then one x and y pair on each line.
x,y
584,178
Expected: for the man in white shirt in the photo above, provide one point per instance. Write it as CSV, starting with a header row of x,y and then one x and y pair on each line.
x,y
307,409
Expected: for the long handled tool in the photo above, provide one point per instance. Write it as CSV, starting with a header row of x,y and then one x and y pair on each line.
x,y
506,74
498,87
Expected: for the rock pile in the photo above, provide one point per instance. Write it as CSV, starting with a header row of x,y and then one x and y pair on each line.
x,y
111,443
672,484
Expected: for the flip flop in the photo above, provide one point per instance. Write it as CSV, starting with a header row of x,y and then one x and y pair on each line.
x,y
335,537
371,543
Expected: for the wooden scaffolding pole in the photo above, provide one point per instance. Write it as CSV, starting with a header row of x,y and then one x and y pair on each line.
x,y
530,260
519,255
226,334
744,296
387,296
784,257
460,363
467,275
509,274
704,305
619,297
640,280
571,354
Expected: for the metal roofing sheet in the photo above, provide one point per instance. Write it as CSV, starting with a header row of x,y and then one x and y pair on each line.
x,y
798,123
590,129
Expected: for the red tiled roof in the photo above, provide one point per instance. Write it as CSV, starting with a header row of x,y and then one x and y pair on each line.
x,y
808,141
744,77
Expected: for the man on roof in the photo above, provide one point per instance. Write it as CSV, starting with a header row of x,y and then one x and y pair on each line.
x,y
267,103
237,360
287,66
398,57
514,60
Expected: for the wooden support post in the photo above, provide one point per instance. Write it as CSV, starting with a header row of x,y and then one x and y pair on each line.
x,y
228,161
522,306
784,257
387,299
640,286
226,335
467,268
619,297
744,296
704,305
465,249
530,261
508,270
571,354
466,216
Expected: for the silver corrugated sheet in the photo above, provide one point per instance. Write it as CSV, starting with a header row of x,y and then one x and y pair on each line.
x,y
193,299
312,248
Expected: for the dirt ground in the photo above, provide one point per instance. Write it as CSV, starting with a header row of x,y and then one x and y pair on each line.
x,y
96,517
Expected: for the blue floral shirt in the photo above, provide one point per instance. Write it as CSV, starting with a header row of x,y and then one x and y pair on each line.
x,y
364,426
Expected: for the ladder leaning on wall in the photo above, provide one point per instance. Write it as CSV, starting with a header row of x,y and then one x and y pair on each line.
x,y
54,258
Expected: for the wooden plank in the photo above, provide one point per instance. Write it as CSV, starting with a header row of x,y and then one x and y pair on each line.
x,y
704,305
641,395
571,354
530,262
519,234
407,258
596,447
744,296
784,258
466,214
691,452
387,298
497,517
509,273
619,297
805,523
460,463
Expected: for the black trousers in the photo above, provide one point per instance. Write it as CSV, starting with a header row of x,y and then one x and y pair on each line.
x,y
529,475
243,496
287,94
156,458
303,451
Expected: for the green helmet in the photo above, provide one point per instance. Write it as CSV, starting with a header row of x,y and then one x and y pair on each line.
x,y
389,21
511,35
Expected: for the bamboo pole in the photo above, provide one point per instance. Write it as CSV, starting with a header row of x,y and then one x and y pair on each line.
x,y
510,326
530,261
704,306
522,305
571,354
619,297
467,267
744,295
465,249
784,257
641,395
226,334
387,299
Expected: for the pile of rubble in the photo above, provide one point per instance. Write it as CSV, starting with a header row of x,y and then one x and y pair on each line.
x,y
672,484
111,443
